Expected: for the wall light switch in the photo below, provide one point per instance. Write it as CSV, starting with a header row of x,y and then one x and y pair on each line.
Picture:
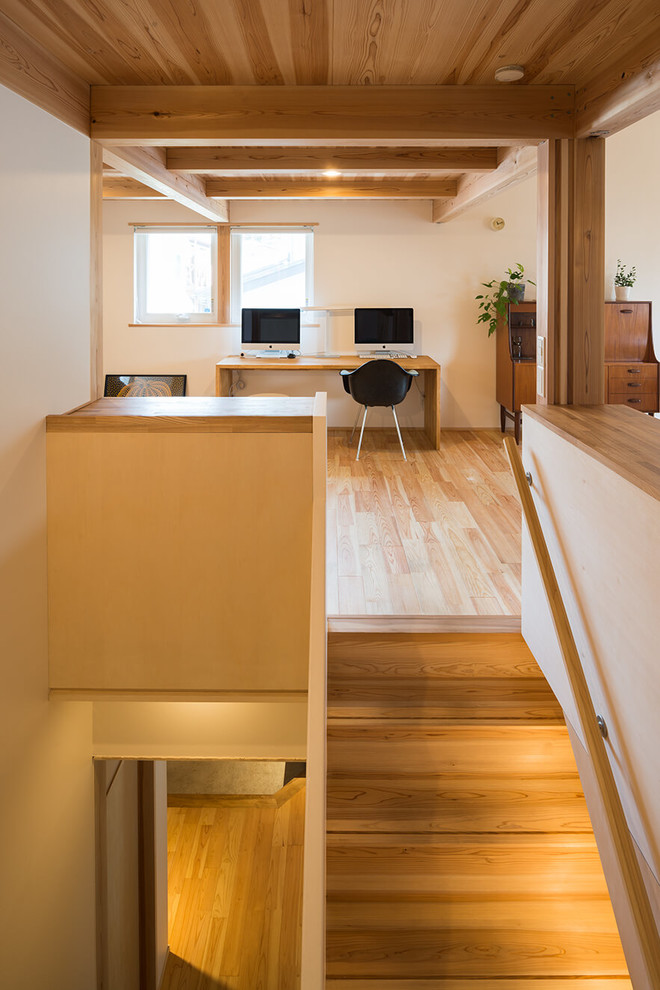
x,y
540,351
540,381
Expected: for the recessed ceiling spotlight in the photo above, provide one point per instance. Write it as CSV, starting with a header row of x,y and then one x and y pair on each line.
x,y
331,173
509,73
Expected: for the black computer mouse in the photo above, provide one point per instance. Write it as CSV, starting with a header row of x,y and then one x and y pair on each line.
x,y
291,355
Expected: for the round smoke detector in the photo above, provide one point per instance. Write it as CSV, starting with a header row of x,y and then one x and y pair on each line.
x,y
509,73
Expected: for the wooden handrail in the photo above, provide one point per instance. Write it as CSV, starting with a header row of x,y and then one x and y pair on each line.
x,y
649,940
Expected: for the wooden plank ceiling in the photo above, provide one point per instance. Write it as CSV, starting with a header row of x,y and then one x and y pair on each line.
x,y
243,99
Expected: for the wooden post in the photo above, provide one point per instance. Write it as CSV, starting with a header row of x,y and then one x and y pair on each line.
x,y
96,270
571,269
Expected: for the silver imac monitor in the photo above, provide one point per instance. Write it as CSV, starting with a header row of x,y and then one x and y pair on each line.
x,y
273,332
384,330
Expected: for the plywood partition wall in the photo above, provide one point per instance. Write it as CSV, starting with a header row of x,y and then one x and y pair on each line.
x,y
180,548
313,929
594,474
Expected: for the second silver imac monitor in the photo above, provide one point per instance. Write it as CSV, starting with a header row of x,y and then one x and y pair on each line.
x,y
384,330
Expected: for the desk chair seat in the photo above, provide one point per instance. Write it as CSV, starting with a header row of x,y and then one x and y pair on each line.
x,y
378,383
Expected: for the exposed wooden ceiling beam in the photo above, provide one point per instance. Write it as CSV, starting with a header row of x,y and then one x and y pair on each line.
x,y
621,96
518,164
147,165
370,159
328,189
32,72
122,187
170,115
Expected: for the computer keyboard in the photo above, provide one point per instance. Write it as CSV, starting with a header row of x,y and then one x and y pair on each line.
x,y
272,354
395,354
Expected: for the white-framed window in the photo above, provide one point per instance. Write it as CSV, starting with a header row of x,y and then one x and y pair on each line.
x,y
176,274
271,266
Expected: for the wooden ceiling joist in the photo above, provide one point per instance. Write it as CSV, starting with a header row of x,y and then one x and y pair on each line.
x,y
147,165
325,189
620,96
175,115
518,164
32,72
348,159
123,187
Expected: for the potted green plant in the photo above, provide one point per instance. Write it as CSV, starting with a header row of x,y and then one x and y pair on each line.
x,y
624,280
508,292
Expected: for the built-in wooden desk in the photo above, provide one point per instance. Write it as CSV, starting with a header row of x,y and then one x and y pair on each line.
x,y
225,368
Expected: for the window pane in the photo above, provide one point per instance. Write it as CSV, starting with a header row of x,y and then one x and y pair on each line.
x,y
273,268
176,272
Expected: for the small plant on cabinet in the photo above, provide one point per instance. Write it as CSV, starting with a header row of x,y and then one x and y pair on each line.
x,y
624,280
508,292
623,277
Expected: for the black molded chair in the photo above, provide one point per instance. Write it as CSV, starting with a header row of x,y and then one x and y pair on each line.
x,y
378,383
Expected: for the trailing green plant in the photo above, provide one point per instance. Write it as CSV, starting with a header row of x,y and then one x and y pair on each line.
x,y
624,277
507,292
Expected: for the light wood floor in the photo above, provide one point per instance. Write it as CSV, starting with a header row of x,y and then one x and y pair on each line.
x,y
460,854
235,891
436,535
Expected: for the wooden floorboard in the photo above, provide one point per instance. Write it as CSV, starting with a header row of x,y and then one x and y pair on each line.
x,y
235,892
438,534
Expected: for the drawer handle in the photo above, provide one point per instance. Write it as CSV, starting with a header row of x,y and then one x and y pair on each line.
x,y
625,310
634,400
634,371
634,384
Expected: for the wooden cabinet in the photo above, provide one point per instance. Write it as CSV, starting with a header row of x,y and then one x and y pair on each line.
x,y
631,367
515,382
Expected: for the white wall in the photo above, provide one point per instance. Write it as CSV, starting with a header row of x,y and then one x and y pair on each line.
x,y
47,821
633,211
366,253
201,730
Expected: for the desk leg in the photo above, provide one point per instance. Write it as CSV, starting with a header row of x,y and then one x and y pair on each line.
x,y
223,381
432,407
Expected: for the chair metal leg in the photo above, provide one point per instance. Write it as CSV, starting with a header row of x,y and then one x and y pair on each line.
x,y
396,423
355,424
364,420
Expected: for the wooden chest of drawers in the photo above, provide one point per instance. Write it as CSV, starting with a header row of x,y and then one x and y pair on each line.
x,y
631,368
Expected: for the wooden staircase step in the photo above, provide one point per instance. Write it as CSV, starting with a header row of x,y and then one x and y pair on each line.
x,y
464,952
577,914
452,983
414,746
462,865
456,803
459,850
528,699
430,655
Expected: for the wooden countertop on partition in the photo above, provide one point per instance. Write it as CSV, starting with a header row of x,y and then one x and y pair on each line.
x,y
188,414
623,439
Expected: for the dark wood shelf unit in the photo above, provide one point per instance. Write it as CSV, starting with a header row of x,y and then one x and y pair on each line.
x,y
516,363
631,367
